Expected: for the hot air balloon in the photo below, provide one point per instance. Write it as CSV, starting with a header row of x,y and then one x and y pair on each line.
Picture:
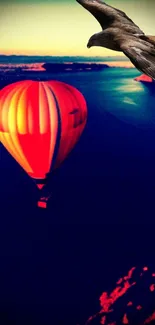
x,y
40,123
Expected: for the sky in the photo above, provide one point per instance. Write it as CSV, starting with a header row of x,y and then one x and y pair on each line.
x,y
62,27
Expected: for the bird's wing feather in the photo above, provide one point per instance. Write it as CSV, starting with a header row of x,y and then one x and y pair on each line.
x,y
144,61
107,15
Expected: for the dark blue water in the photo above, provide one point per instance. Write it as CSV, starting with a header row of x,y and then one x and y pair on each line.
x,y
56,262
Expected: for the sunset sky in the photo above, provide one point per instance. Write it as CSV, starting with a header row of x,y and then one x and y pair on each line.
x,y
62,27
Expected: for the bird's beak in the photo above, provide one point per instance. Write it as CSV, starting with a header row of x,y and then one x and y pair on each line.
x,y
88,45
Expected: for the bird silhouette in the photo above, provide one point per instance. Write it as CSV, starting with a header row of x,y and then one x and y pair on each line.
x,y
120,33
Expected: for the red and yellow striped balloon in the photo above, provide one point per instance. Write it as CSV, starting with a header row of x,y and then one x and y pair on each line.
x,y
40,123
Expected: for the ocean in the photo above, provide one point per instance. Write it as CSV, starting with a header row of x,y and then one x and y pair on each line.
x,y
101,214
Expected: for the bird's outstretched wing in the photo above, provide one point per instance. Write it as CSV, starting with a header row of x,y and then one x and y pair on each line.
x,y
108,15
143,60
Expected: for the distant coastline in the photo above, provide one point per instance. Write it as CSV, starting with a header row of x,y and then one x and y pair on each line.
x,y
18,65
73,67
52,64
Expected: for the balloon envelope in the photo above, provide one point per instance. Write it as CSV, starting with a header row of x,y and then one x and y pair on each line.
x,y
40,123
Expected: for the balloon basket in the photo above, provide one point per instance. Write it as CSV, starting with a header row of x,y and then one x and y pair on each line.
x,y
42,204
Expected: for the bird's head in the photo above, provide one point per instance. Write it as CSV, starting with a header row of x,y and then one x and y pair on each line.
x,y
95,40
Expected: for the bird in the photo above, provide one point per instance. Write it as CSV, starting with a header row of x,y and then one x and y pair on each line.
x,y
120,33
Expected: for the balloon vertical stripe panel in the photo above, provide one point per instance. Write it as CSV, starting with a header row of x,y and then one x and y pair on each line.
x,y
79,113
64,106
53,122
6,97
9,101
73,112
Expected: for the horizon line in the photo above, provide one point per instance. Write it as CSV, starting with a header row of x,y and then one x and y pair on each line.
x,y
34,55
